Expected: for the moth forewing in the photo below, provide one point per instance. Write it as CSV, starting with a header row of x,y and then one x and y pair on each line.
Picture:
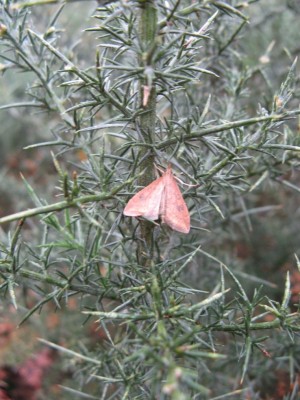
x,y
146,203
176,213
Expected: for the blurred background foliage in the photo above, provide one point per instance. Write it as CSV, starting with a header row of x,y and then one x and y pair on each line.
x,y
257,239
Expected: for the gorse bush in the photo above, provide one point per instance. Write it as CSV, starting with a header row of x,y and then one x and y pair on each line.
x,y
152,84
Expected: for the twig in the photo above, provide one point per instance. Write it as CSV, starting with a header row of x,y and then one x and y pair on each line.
x,y
64,204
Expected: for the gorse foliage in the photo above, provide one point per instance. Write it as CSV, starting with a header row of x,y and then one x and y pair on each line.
x,y
166,82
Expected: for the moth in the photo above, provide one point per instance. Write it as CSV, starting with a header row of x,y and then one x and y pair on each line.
x,y
162,200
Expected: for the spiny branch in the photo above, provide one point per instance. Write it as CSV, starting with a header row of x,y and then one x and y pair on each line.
x,y
64,204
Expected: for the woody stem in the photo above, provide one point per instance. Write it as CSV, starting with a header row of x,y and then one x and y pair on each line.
x,y
147,20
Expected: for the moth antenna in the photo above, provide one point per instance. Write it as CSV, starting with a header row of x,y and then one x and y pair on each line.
x,y
160,169
186,184
177,179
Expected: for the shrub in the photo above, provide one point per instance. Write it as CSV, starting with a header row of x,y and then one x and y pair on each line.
x,y
197,86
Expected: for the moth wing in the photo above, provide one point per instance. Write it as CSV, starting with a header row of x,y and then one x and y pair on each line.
x,y
146,203
174,211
